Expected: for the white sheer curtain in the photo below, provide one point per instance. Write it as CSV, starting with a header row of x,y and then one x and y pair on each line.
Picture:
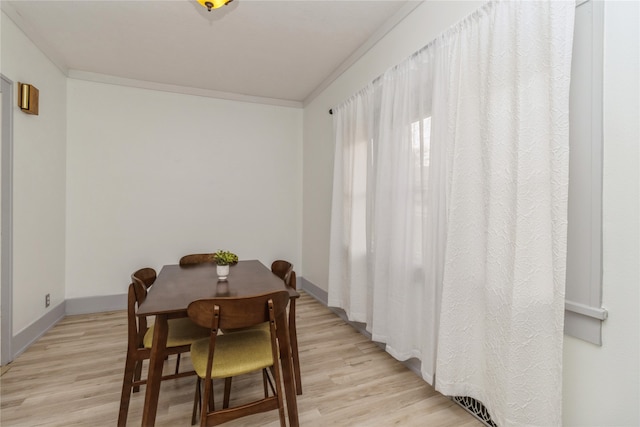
x,y
501,334
348,278
405,238
386,244
449,208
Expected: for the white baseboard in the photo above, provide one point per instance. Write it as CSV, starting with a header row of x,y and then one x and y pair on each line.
x,y
313,290
23,339
98,304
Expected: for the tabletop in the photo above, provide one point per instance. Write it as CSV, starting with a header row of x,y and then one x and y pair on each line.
x,y
176,286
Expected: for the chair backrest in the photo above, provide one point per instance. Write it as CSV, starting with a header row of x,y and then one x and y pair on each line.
x,y
137,326
241,313
145,276
292,280
284,269
237,312
197,259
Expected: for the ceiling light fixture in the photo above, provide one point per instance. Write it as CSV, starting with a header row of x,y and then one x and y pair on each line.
x,y
214,4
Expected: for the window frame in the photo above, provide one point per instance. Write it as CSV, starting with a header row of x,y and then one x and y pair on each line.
x,y
584,313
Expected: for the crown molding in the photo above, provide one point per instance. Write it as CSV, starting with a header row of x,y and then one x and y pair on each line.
x,y
185,90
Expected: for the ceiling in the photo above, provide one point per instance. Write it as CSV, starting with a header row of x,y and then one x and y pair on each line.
x,y
282,51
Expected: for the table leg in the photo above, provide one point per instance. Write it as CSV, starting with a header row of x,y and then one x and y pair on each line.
x,y
156,363
287,370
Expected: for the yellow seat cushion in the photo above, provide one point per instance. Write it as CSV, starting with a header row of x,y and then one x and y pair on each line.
x,y
264,327
181,332
235,353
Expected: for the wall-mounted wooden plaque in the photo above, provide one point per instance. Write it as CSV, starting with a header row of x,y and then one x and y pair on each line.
x,y
28,98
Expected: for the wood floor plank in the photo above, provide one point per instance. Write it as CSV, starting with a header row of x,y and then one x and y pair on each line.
x,y
72,376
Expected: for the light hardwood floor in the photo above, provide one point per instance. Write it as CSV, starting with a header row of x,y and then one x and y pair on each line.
x,y
72,376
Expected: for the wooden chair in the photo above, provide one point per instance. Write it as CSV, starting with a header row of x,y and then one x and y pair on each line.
x,y
146,276
182,332
284,270
197,259
237,353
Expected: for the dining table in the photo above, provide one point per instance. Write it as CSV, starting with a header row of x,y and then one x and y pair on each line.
x,y
176,286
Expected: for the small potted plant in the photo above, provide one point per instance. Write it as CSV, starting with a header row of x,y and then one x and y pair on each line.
x,y
223,259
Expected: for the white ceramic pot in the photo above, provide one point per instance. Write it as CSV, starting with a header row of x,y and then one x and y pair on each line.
x,y
223,271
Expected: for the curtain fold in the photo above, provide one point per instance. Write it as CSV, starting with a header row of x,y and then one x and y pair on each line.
x,y
403,238
353,123
448,234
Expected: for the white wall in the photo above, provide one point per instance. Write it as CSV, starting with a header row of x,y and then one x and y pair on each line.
x,y
39,180
600,383
152,176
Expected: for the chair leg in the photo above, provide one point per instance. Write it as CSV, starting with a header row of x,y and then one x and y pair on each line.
x,y
227,392
294,347
212,404
178,364
264,383
205,407
278,392
137,375
125,397
197,402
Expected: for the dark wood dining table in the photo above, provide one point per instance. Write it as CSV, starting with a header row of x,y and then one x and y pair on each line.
x,y
177,286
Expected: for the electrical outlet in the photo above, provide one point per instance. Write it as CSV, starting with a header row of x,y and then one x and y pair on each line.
x,y
47,300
